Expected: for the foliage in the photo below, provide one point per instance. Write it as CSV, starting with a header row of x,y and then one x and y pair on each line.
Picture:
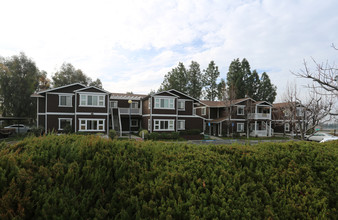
x,y
68,129
195,83
37,131
190,132
177,79
266,91
143,133
242,82
68,75
163,136
88,177
211,75
112,134
19,78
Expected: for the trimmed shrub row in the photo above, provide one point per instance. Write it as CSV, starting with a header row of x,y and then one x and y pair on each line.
x,y
88,177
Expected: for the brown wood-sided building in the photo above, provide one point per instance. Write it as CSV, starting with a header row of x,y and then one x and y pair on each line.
x,y
79,107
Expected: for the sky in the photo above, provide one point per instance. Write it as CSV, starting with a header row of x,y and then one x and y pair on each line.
x,y
130,45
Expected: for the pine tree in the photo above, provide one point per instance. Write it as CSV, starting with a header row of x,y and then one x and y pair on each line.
x,y
195,83
210,77
221,90
177,79
252,85
235,79
266,91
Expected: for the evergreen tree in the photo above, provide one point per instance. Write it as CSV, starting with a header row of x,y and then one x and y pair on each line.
x,y
235,79
210,81
266,91
177,79
221,90
252,85
195,83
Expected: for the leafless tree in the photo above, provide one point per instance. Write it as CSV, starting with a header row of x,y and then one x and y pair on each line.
x,y
305,115
325,78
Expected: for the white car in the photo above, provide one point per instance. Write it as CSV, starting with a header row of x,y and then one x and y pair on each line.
x,y
19,128
329,139
319,136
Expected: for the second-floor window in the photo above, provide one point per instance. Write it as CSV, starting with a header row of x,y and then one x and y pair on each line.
x,y
92,100
165,103
181,105
204,111
65,100
134,105
240,110
113,104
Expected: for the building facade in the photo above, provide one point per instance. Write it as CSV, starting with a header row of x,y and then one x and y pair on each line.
x,y
74,106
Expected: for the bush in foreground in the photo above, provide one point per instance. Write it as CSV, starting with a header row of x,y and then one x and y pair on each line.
x,y
85,177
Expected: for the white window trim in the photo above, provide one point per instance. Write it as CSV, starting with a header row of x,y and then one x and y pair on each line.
x,y
203,111
169,99
149,103
98,101
134,102
239,126
136,125
149,125
238,107
159,123
92,119
182,101
71,100
68,119
112,105
178,124
287,125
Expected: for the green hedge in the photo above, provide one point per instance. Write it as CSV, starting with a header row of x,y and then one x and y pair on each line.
x,y
86,177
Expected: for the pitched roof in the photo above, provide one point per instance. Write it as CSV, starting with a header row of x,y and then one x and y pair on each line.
x,y
65,86
226,103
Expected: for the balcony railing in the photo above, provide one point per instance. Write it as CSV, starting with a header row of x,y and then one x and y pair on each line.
x,y
259,116
259,133
133,111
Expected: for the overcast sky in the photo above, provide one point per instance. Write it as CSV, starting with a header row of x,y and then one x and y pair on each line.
x,y
131,45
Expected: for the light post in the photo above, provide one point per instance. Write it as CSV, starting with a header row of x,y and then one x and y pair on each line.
x,y
130,101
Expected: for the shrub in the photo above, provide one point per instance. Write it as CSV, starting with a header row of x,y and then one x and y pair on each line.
x,y
153,136
191,132
112,134
144,133
37,131
88,177
68,129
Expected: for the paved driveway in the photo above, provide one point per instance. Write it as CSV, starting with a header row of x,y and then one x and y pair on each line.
x,y
239,141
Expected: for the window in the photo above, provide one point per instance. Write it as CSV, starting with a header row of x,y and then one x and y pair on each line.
x,y
204,111
240,127
286,113
181,105
166,103
134,105
91,124
287,127
194,111
92,100
113,104
181,124
149,103
164,125
64,122
240,110
299,111
134,123
65,100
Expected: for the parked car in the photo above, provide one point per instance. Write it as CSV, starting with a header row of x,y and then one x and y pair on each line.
x,y
19,128
319,136
329,139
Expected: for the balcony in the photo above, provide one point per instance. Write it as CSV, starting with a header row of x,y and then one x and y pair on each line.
x,y
259,116
133,111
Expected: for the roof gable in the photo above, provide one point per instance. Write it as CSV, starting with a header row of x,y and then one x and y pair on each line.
x,y
91,89
65,88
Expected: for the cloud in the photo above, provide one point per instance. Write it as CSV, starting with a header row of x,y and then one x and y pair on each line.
x,y
130,45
